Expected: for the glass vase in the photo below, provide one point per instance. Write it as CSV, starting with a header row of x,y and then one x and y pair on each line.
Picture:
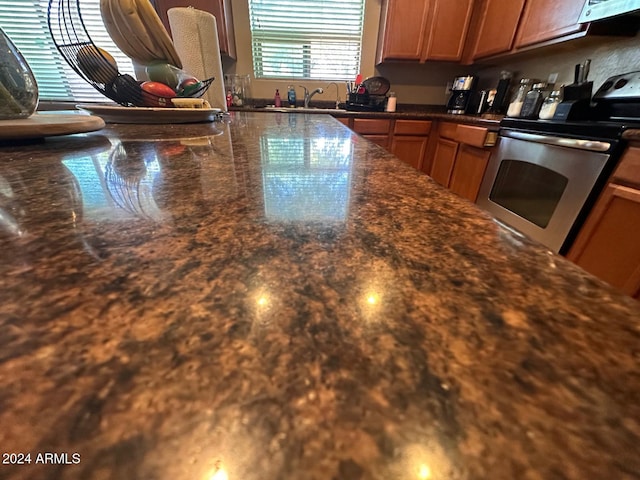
x,y
18,87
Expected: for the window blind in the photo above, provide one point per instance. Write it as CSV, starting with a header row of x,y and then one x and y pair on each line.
x,y
25,23
306,39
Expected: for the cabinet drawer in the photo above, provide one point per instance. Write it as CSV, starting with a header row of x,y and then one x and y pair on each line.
x,y
412,127
628,171
371,125
475,136
448,130
343,120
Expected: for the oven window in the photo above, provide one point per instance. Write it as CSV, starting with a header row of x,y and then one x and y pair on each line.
x,y
528,190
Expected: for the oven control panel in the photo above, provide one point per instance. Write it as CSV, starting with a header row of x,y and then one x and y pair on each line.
x,y
620,87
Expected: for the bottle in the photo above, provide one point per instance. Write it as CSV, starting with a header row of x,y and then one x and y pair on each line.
x,y
518,98
229,99
391,102
548,109
533,101
291,95
276,100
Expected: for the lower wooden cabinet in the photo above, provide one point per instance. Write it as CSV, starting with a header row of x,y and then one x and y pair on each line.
x,y
608,245
461,157
471,163
410,140
410,149
444,158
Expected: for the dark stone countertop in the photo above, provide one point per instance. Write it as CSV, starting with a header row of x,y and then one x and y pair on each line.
x,y
277,298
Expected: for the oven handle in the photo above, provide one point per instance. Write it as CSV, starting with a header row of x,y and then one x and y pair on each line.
x,y
591,145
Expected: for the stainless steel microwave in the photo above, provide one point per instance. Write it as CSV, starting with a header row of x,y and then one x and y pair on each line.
x,y
599,9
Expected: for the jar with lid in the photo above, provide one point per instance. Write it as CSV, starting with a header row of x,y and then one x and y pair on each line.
x,y
518,98
548,109
533,101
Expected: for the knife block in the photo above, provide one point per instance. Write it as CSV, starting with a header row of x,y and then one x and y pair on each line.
x,y
576,101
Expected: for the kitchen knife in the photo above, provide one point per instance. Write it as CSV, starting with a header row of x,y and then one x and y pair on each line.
x,y
577,74
585,70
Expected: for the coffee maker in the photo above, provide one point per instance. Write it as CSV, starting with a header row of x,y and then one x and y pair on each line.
x,y
462,95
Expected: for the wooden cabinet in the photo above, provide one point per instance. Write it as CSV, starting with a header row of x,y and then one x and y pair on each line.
x,y
410,140
608,245
422,30
470,165
497,25
221,9
444,154
544,20
447,32
376,130
403,25
461,157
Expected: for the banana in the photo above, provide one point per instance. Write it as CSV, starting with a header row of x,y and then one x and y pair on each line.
x,y
136,29
138,34
157,32
111,25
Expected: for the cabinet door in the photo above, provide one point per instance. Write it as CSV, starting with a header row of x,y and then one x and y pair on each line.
x,y
448,27
382,140
403,25
497,27
547,19
470,165
443,161
221,9
410,149
606,246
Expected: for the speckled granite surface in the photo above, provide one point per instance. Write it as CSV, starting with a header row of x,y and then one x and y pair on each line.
x,y
277,298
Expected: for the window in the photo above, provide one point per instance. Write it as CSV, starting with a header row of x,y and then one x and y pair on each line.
x,y
25,23
306,39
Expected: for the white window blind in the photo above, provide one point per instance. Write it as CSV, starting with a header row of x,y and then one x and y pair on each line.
x,y
308,39
25,23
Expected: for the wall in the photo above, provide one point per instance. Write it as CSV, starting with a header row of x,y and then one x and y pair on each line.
x,y
426,83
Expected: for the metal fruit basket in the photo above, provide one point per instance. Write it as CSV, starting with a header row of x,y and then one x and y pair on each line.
x,y
72,40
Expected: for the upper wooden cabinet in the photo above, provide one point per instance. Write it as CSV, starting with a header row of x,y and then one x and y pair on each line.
x,y
448,25
221,9
423,30
544,20
497,23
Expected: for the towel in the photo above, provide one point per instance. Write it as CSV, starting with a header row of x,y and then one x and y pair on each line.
x,y
195,37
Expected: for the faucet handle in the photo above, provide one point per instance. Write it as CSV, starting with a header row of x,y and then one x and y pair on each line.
x,y
306,92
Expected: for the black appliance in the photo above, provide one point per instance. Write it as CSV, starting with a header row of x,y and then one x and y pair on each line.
x,y
545,175
463,98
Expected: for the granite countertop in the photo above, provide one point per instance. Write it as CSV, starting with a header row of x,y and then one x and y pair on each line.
x,y
274,297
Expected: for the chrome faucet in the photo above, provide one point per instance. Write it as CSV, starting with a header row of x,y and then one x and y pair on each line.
x,y
337,93
308,96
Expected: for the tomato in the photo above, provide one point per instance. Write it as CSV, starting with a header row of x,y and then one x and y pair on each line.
x,y
188,81
157,89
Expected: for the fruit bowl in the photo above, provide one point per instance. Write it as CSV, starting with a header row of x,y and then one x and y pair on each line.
x,y
98,68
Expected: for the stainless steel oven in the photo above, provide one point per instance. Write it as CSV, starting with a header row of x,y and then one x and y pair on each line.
x,y
545,175
541,184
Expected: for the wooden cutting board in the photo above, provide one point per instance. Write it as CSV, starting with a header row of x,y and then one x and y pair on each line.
x,y
41,125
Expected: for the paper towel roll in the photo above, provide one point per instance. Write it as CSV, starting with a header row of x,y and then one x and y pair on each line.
x,y
195,37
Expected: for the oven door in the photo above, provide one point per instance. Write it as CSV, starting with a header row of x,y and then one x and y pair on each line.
x,y
539,184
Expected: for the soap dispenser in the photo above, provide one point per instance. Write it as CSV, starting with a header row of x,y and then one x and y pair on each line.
x,y
276,100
